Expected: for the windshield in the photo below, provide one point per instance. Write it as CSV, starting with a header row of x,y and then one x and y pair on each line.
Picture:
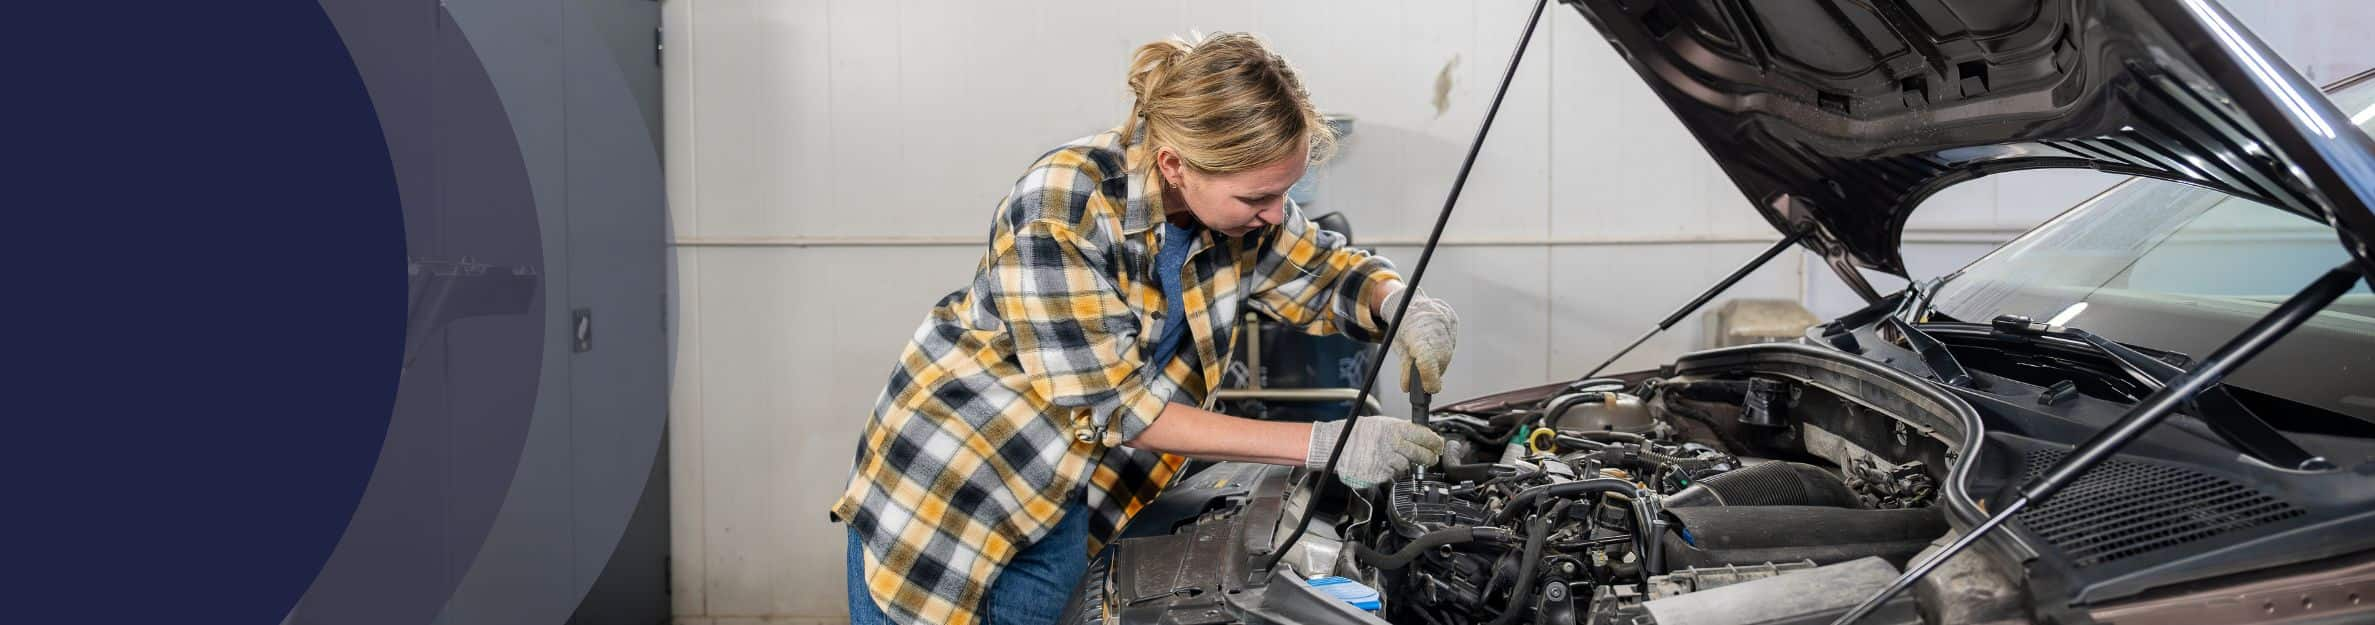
x,y
2176,267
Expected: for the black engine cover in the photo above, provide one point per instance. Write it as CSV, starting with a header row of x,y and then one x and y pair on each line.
x,y
1420,506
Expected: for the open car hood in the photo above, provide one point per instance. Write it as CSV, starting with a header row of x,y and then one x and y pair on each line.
x,y
1840,116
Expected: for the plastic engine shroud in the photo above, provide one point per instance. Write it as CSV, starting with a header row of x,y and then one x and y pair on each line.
x,y
1421,506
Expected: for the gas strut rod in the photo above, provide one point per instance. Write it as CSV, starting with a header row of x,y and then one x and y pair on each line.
x,y
1377,362
1778,246
2299,308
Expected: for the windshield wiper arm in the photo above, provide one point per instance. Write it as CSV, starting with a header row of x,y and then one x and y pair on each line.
x,y
2153,372
1935,354
2226,416
1911,308
1919,298
2106,443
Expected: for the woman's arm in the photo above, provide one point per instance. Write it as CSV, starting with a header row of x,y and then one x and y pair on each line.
x,y
1380,449
1374,300
1186,430
1308,278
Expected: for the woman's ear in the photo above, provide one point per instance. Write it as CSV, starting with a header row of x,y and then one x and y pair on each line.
x,y
1169,165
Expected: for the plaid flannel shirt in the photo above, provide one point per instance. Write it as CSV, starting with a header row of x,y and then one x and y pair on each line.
x,y
1018,390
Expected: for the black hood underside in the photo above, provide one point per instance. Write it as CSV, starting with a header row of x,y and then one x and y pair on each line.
x,y
1841,116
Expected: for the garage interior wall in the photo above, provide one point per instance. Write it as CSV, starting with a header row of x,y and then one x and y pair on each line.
x,y
833,167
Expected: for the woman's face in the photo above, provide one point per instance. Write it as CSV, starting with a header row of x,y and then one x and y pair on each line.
x,y
1233,203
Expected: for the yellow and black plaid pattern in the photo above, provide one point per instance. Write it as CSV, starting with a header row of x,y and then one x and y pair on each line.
x,y
1017,390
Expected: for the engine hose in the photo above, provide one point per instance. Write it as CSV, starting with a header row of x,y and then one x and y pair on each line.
x,y
1537,533
1619,539
1567,441
1494,583
1429,541
1513,477
1649,524
1628,437
1525,499
1612,455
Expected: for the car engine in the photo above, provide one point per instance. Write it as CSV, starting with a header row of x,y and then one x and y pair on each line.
x,y
1610,501
1774,484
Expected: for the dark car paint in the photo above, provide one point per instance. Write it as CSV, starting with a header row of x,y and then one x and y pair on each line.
x,y
1844,115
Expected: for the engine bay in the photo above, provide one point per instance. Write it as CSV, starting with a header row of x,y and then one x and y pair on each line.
x,y
1716,496
1776,483
1615,501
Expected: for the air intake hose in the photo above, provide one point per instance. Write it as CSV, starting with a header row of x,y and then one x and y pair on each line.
x,y
1768,484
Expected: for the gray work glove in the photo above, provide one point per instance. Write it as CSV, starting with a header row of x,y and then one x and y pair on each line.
x,y
1381,448
1430,331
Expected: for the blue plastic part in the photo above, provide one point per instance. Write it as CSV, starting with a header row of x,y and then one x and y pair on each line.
x,y
1358,594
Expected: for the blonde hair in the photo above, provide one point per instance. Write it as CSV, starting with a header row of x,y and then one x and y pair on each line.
x,y
1224,103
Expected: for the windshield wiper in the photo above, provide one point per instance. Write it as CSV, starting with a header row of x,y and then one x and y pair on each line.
x,y
2226,416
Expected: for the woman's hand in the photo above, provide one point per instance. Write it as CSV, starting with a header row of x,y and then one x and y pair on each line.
x,y
1381,448
1430,331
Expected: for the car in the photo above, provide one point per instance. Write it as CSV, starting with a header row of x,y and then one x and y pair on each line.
x,y
2156,407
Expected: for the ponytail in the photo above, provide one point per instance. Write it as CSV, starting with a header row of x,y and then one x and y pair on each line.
x,y
1149,67
1224,103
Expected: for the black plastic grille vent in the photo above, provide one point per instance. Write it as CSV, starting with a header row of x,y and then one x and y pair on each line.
x,y
2123,508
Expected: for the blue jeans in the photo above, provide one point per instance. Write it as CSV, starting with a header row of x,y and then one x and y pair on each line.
x,y
1031,590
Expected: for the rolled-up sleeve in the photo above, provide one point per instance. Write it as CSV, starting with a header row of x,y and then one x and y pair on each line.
x,y
1307,277
1073,336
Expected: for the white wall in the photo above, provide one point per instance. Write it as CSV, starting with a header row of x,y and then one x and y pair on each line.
x,y
834,163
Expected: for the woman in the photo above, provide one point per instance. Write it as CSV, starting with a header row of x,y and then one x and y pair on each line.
x,y
1039,407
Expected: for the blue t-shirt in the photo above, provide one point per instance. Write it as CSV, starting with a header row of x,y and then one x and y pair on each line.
x,y
1168,262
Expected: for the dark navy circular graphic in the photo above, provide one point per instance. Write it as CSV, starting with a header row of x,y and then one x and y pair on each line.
x,y
210,297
